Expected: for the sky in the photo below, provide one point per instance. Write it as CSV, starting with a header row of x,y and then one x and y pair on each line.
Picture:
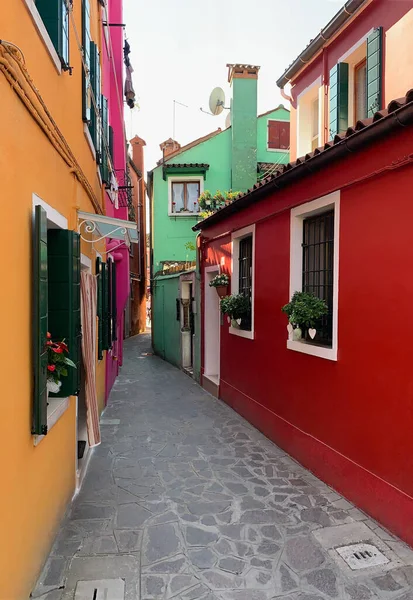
x,y
180,48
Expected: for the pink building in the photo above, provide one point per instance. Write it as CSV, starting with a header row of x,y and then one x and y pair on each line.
x,y
114,61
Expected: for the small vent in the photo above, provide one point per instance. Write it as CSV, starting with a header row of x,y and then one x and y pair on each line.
x,y
102,589
362,556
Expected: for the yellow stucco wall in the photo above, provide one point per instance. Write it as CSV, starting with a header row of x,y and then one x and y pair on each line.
x,y
37,481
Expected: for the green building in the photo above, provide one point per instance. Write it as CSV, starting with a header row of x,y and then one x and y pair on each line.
x,y
230,159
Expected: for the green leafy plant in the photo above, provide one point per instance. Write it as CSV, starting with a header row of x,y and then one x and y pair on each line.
x,y
218,280
305,310
190,246
57,363
235,306
210,203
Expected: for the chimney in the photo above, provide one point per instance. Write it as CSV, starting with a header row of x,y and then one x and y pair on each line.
x,y
137,151
168,147
243,79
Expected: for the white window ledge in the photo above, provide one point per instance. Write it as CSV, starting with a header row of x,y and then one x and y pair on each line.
x,y
37,19
313,350
183,214
249,335
282,150
55,409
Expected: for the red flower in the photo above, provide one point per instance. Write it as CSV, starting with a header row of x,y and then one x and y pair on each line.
x,y
58,350
64,346
51,367
49,335
49,343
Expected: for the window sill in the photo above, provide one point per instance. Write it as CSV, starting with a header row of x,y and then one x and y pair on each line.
x,y
249,335
31,7
319,351
56,408
283,150
183,214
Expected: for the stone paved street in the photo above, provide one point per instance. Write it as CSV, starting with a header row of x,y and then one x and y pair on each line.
x,y
184,499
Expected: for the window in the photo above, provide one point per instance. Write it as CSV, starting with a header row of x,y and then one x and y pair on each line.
x,y
314,259
360,91
242,280
184,194
55,16
245,274
278,135
318,270
314,124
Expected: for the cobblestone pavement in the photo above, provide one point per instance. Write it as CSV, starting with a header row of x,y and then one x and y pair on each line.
x,y
184,499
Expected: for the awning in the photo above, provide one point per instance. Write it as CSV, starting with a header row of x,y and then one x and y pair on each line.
x,y
107,227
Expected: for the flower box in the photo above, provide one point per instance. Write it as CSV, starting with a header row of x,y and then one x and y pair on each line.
x,y
222,290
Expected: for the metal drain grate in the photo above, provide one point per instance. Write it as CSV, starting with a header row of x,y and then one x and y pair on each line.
x,y
101,589
362,556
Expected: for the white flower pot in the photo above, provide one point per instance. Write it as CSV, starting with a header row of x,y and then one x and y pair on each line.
x,y
235,323
53,387
297,334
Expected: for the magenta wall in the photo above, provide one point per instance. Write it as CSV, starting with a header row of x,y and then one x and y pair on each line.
x,y
113,90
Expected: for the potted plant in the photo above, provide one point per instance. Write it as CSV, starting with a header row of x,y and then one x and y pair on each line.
x,y
304,311
57,363
220,283
237,307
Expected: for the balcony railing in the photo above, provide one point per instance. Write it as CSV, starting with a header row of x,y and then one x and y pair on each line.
x,y
125,193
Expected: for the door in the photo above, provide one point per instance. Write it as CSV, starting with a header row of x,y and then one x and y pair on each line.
x,y
212,321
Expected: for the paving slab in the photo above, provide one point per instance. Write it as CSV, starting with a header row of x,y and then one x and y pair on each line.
x,y
186,500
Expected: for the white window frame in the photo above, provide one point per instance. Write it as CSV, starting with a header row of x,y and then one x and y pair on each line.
x,y
57,406
304,145
38,21
297,215
236,237
283,150
183,179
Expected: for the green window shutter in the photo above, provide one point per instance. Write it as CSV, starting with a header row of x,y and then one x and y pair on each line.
x,y
109,265
99,307
374,71
114,303
40,322
64,300
111,143
55,16
86,102
338,99
105,140
105,307
95,110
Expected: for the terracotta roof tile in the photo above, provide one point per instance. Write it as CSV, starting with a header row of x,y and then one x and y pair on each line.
x,y
190,145
360,128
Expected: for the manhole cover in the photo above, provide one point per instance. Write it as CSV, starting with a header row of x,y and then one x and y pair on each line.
x,y
362,556
101,589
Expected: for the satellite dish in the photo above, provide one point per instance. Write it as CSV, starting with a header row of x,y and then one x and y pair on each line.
x,y
217,101
228,120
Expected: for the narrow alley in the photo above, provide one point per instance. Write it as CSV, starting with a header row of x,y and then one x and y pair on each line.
x,y
184,499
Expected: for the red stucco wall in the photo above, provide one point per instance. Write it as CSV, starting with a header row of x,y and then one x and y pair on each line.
x,y
349,421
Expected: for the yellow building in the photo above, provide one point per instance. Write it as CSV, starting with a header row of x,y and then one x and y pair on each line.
x,y
51,183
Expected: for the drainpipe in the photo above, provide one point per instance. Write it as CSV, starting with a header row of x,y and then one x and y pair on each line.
x,y
285,96
326,78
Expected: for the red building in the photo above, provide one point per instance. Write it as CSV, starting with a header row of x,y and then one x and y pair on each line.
x,y
343,408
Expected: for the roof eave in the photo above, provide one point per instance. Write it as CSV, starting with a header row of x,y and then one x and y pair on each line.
x,y
344,14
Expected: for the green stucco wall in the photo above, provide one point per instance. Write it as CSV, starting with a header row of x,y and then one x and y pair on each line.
x,y
244,133
264,155
170,234
166,329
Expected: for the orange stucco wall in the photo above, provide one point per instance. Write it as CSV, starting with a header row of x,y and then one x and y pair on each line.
x,y
37,481
399,50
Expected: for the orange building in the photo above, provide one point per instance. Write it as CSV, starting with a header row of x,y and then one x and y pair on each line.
x,y
52,137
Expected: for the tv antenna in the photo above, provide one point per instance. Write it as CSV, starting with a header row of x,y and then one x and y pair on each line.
x,y
173,127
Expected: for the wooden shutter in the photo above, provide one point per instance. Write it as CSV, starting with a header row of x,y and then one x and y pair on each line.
x,y
105,307
105,140
338,99
64,301
111,143
86,101
96,101
284,135
99,307
374,71
55,17
274,131
114,311
40,323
